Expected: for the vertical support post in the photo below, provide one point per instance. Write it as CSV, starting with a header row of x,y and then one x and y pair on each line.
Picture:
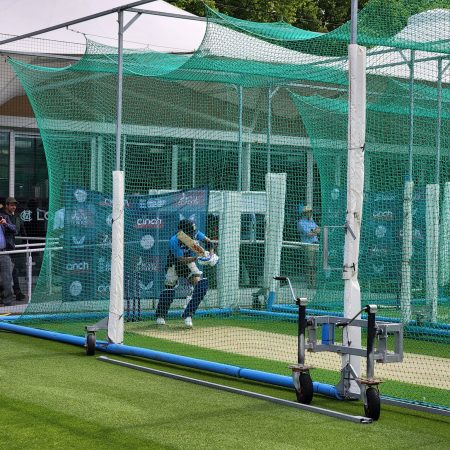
x,y
100,163
269,131
355,187
246,167
411,117
405,289
229,243
338,171
119,90
439,122
194,162
93,178
354,22
12,164
29,265
174,180
115,318
50,271
371,336
116,304
302,325
240,136
276,198
309,177
432,250
444,239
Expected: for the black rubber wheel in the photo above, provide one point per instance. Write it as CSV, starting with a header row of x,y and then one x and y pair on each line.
x,y
305,394
90,344
373,407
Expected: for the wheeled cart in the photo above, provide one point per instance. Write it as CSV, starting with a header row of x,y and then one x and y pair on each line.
x,y
376,351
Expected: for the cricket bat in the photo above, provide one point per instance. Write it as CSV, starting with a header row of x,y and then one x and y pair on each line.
x,y
189,242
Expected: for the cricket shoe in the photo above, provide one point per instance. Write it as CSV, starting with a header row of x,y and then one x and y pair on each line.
x,y
160,321
188,322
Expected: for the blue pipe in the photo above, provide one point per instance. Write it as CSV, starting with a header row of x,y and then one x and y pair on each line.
x,y
224,369
101,315
44,334
270,300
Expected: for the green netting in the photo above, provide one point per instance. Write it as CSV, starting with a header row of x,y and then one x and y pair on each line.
x,y
242,135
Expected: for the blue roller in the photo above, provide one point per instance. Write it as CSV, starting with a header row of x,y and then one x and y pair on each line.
x,y
224,369
44,334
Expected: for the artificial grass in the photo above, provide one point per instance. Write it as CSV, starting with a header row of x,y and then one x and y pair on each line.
x,y
53,396
391,388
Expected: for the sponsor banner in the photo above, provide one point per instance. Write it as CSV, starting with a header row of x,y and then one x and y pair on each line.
x,y
150,221
380,252
87,238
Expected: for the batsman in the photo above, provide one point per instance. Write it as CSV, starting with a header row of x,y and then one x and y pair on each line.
x,y
184,252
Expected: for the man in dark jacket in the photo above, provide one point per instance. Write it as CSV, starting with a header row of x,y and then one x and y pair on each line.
x,y
10,210
7,233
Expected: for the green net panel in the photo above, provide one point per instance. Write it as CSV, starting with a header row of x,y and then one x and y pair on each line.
x,y
244,136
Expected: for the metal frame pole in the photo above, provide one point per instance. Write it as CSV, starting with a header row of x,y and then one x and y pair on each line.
x,y
119,89
354,22
75,21
411,117
439,122
240,136
12,163
269,132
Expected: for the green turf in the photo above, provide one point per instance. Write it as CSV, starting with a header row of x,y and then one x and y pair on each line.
x,y
401,390
53,396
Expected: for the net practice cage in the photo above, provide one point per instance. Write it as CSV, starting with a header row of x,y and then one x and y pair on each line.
x,y
240,136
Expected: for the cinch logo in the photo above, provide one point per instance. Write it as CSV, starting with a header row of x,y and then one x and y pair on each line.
x,y
149,223
77,267
103,288
383,215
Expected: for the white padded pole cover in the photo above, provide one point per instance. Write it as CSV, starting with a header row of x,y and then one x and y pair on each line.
x,y
444,240
115,318
432,249
355,187
405,290
276,198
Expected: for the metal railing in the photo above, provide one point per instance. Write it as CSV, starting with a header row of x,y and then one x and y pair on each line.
x,y
29,249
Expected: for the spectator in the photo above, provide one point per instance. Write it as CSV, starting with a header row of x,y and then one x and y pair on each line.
x,y
10,210
309,234
7,233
